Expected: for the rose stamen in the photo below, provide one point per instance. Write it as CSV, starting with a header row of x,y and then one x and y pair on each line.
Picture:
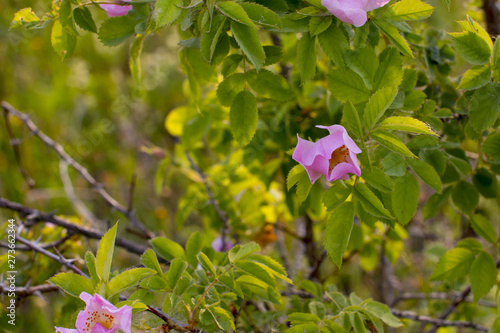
x,y
339,155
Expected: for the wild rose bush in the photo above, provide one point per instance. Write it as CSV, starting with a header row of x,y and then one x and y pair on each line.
x,y
408,204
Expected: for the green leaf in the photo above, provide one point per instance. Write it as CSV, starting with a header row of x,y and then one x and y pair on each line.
x,y
465,196
303,328
377,105
63,43
206,263
495,61
222,318
364,62
394,165
301,317
336,195
470,244
338,231
273,53
150,260
486,183
242,251
485,107
357,322
347,85
72,283
408,10
475,77
115,30
261,15
272,266
298,176
491,146
389,72
370,202
391,142
256,271
66,17
167,249
209,40
135,59
247,39
318,24
383,312
91,265
334,42
453,265
306,57
230,64
483,275
127,279
105,253
84,19
177,267
406,124
23,17
483,227
404,198
427,173
166,12
230,87
235,12
472,47
193,247
413,100
243,117
351,119
270,85
378,179
393,34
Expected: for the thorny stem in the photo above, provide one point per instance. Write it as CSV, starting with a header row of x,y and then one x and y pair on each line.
x,y
192,322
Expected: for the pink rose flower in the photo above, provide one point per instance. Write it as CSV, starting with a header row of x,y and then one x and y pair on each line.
x,y
333,156
100,316
217,245
352,11
116,10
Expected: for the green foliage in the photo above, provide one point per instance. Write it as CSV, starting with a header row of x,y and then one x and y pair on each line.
x,y
104,254
72,283
338,230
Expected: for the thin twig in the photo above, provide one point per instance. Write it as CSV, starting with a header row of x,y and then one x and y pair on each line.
x,y
171,323
437,322
59,259
14,142
98,187
130,204
70,193
220,213
441,296
28,291
43,246
39,216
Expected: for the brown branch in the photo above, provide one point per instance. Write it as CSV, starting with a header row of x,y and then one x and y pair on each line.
x,y
14,142
220,213
461,297
60,259
39,216
98,187
28,291
43,246
492,17
172,323
440,296
437,322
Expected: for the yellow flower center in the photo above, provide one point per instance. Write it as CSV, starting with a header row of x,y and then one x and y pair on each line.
x,y
105,319
339,155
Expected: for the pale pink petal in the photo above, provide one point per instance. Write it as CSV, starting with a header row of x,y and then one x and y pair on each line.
x,y
347,141
100,313
349,11
341,171
65,330
116,10
374,4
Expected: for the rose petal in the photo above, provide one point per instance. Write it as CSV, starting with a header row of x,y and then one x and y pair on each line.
x,y
65,330
116,10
